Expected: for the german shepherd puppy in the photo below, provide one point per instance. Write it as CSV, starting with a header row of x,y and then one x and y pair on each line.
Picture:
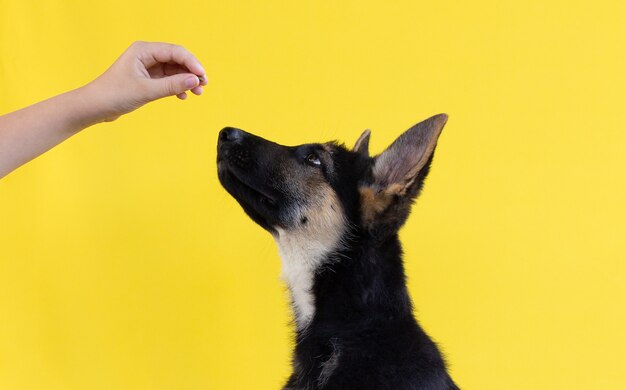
x,y
335,215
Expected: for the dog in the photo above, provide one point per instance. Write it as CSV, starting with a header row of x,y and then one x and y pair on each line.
x,y
335,214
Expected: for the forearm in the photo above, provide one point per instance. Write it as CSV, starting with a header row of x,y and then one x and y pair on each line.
x,y
29,132
144,72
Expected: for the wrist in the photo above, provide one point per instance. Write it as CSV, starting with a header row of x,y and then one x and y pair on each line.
x,y
88,103
95,103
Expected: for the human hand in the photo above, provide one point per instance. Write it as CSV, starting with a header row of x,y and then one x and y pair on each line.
x,y
146,71
143,73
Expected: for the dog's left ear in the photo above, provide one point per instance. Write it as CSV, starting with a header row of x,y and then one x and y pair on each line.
x,y
398,172
362,144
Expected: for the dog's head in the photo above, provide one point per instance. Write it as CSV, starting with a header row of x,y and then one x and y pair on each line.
x,y
322,189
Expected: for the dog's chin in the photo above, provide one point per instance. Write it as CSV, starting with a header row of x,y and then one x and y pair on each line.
x,y
259,207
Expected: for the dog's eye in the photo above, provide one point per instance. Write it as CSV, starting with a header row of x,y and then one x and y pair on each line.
x,y
313,160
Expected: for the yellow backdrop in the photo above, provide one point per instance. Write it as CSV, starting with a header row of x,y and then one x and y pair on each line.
x,y
125,265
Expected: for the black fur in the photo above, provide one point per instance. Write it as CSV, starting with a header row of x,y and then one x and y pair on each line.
x,y
363,324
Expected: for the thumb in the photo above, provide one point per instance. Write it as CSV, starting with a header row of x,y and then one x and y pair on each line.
x,y
173,85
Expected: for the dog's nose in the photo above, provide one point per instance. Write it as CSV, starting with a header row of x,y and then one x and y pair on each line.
x,y
230,134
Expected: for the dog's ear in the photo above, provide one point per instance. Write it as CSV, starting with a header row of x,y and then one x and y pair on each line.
x,y
362,144
398,173
396,168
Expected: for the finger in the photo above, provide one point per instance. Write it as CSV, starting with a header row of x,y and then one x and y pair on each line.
x,y
172,85
182,96
172,69
163,70
152,53
197,90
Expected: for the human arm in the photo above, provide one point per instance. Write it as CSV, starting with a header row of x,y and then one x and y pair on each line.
x,y
146,71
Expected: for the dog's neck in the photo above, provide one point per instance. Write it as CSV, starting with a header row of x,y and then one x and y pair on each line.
x,y
304,250
302,257
336,283
367,285
350,291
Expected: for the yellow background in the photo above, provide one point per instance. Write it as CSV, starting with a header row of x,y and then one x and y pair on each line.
x,y
124,264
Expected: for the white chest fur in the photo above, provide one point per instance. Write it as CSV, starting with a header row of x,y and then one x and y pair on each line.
x,y
304,250
300,260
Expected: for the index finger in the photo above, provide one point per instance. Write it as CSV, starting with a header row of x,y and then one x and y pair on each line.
x,y
152,53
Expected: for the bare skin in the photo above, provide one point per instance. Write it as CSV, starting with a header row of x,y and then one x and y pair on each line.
x,y
146,71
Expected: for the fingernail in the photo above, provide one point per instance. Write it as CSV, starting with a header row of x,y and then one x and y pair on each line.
x,y
191,82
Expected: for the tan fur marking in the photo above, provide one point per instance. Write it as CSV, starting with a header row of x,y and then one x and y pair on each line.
x,y
373,203
303,248
325,215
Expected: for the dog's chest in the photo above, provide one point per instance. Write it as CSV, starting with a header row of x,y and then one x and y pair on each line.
x,y
300,259
305,248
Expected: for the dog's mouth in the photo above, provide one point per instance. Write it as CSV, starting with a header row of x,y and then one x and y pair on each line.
x,y
256,202
257,193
